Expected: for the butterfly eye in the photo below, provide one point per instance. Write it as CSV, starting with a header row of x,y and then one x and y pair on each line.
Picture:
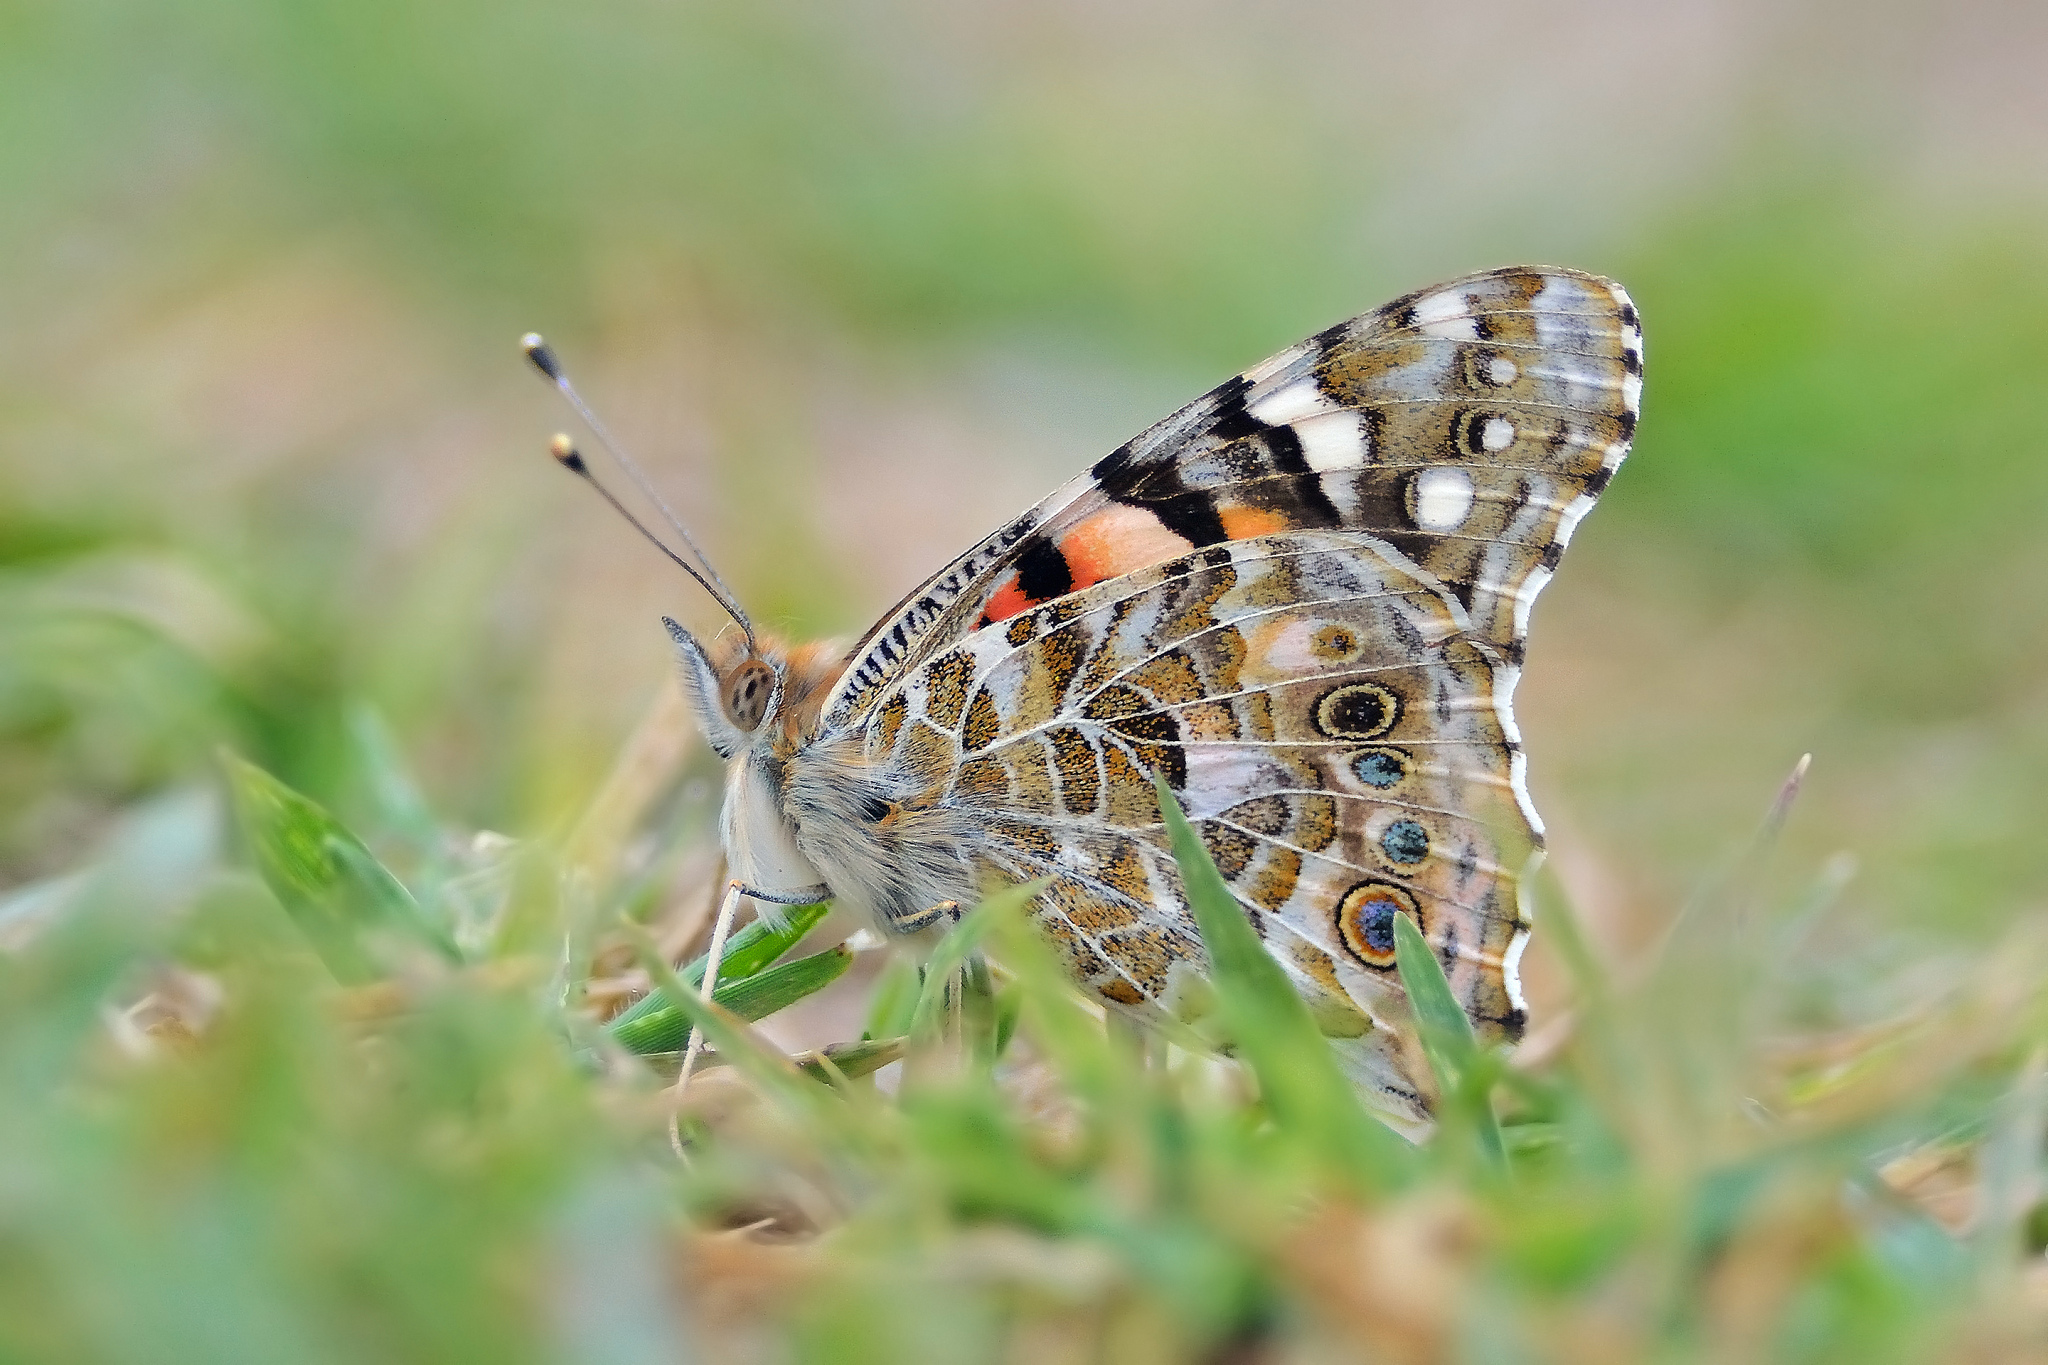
x,y
747,692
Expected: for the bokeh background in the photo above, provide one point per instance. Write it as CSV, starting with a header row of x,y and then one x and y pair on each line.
x,y
858,280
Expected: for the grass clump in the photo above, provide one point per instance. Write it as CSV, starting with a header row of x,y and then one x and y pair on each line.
x,y
312,1113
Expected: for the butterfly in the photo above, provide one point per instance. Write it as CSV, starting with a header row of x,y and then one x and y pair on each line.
x,y
1302,600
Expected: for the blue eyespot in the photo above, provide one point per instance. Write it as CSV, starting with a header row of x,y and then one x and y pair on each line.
x,y
1365,922
1376,924
1405,842
1380,768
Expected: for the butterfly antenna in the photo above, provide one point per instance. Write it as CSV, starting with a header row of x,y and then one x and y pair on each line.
x,y
565,453
549,364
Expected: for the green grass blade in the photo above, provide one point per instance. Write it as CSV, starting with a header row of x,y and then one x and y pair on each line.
x,y
851,1060
751,949
892,1002
1059,1026
952,950
764,993
750,998
357,915
393,791
1446,1032
1463,1074
1273,1029
738,1045
761,942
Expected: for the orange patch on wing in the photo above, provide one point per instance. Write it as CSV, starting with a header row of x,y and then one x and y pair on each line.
x,y
1007,602
1116,541
1242,523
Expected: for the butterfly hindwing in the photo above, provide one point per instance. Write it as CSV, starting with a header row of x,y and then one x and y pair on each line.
x,y
1318,705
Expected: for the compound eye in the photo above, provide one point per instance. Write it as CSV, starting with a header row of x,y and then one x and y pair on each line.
x,y
746,693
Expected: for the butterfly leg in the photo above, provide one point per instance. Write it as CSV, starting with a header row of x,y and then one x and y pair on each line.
x,y
924,919
720,928
809,895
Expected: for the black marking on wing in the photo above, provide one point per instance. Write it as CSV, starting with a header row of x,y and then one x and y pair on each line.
x,y
1191,516
1042,571
1309,497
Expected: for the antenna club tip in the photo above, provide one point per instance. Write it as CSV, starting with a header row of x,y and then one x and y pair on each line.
x,y
536,349
565,453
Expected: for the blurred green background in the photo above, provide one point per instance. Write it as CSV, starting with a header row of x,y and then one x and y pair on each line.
x,y
858,280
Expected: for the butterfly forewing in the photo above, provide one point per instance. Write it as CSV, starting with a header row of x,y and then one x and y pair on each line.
x,y
1471,425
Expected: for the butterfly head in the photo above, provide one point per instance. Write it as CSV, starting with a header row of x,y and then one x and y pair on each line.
x,y
753,691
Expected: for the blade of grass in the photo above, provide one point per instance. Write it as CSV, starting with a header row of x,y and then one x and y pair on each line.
x,y
1464,1074
737,1043
893,1001
392,789
978,1015
749,998
851,1060
714,957
1727,896
764,993
1059,1026
751,949
357,915
952,950
2010,1184
1273,1029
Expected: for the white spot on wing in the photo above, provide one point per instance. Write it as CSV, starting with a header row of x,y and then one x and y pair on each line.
x,y
1284,407
1574,512
1631,332
1220,774
1335,441
1518,761
1446,316
1632,391
1497,434
1622,302
1343,495
1500,370
1443,498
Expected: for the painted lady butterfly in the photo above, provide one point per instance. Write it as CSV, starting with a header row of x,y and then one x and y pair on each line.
x,y
1302,599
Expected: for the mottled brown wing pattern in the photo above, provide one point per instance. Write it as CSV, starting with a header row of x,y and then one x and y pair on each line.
x,y
1303,601
1470,425
1329,724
